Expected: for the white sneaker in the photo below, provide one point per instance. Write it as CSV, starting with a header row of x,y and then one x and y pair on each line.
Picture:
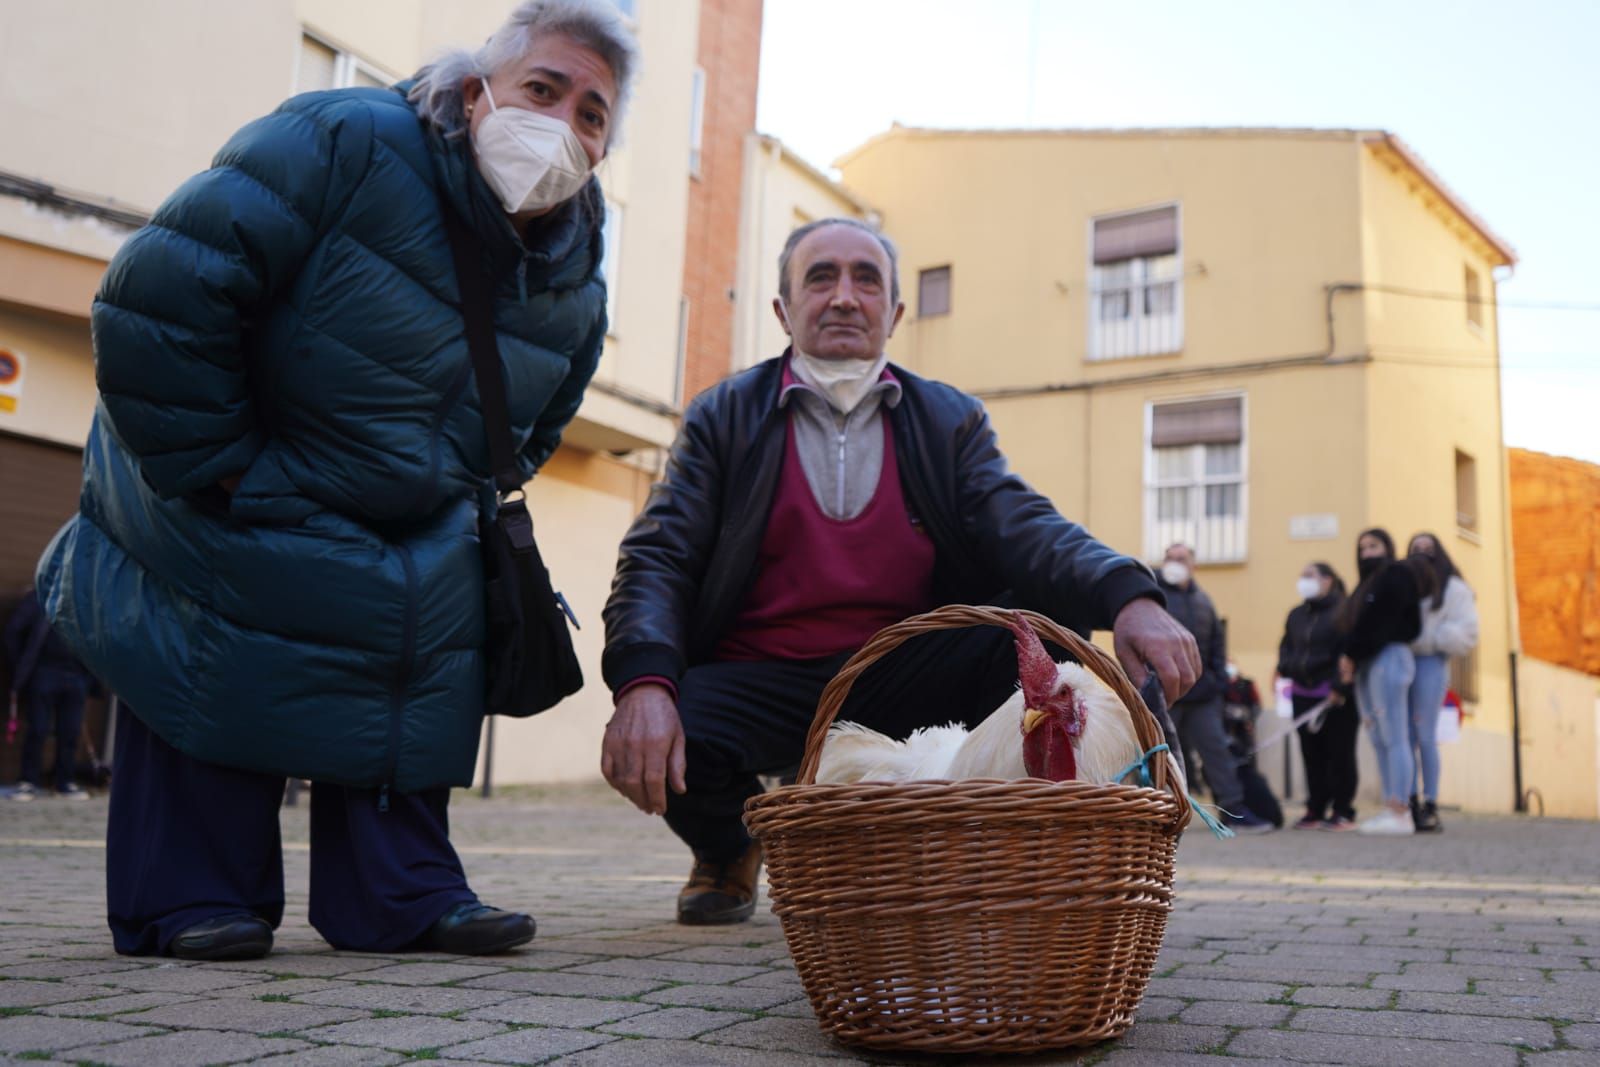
x,y
1387,822
22,793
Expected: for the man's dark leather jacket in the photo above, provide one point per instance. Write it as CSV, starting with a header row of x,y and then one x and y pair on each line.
x,y
689,560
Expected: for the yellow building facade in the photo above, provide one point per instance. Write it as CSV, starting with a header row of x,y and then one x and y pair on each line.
x,y
109,107
1259,342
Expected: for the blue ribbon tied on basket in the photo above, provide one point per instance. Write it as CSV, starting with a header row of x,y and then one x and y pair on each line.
x,y
1205,811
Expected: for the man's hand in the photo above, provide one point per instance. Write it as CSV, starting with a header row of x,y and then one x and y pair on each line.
x,y
1347,670
643,749
1145,634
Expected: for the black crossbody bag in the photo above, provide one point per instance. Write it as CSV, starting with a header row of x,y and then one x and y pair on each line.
x,y
531,662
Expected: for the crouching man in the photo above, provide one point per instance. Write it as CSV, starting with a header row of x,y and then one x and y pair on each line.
x,y
808,502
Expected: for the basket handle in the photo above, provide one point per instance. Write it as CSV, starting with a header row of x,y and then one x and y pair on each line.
x,y
957,616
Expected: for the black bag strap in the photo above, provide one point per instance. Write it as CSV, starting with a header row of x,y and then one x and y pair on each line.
x,y
477,308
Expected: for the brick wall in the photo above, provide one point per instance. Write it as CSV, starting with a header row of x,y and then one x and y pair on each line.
x,y
729,52
1555,526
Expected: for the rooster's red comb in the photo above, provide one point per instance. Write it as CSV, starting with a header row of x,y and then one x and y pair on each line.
x,y
1035,669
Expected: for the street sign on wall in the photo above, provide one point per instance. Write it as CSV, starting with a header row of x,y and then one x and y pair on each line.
x,y
11,363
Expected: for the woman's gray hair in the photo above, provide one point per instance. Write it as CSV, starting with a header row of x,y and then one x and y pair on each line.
x,y
595,24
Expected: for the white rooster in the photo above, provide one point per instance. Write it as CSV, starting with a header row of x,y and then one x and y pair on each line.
x,y
1063,723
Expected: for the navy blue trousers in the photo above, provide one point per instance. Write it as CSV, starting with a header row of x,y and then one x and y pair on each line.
x,y
744,719
53,699
189,841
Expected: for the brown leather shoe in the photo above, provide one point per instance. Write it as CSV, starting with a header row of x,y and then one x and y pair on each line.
x,y
721,893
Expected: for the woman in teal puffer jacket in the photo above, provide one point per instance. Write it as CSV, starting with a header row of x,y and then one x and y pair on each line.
x,y
275,562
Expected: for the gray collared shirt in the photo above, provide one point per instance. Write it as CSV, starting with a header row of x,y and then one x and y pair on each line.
x,y
842,455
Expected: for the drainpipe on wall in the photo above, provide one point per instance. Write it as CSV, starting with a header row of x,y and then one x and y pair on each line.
x,y
1519,802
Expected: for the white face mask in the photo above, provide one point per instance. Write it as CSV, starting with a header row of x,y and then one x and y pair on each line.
x,y
1308,588
845,382
1174,573
532,162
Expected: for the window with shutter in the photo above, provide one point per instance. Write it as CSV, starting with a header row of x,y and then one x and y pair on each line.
x,y
933,292
1136,294
1195,478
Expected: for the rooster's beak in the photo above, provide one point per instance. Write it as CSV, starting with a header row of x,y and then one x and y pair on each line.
x,y
1031,718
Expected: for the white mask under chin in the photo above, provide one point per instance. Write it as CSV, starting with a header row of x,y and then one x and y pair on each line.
x,y
1174,572
845,382
532,162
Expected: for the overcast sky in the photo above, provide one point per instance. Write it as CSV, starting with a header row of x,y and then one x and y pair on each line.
x,y
1501,99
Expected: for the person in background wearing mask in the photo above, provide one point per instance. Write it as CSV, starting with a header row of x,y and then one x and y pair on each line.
x,y
1308,656
276,563
1199,714
807,503
1379,621
1449,628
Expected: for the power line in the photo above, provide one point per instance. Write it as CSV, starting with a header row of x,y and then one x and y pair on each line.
x,y
1462,298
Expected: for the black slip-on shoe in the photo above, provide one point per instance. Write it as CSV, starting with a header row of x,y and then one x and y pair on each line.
x,y
227,937
479,930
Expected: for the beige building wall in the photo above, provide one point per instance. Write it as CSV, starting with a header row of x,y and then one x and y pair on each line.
x,y
1356,421
1560,739
781,191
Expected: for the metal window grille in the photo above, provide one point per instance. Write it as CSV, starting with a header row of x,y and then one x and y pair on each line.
x,y
1136,288
1196,485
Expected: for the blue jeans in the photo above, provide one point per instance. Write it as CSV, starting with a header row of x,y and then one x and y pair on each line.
x,y
1427,696
1383,686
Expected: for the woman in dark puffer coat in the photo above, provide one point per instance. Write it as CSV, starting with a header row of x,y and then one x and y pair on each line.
x,y
275,562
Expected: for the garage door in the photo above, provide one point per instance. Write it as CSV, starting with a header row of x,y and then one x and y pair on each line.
x,y
38,492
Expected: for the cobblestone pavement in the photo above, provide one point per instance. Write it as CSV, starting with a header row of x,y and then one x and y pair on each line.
x,y
1480,946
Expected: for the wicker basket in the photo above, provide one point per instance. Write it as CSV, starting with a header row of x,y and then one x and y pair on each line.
x,y
979,915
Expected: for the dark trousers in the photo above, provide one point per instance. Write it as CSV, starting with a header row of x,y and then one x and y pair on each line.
x,y
1330,759
189,841
1201,730
741,720
53,700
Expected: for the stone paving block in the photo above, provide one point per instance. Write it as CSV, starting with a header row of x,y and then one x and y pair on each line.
x,y
1174,1037
726,997
1343,956
427,973
191,1048
283,987
696,1054
671,971
574,1012
1209,989
1564,1058
310,964
593,946
1495,960
1304,1047
564,983
335,1056
772,980
425,1000
1234,1013
544,960
1282,972
1583,1035
1132,1057
675,1023
1156,1009
170,978
404,1033
41,1033
126,1002
27,993
764,956
1549,1003
1475,972
54,968
533,1045
1342,997
795,1009
782,1035
1421,983
1529,1033
253,1016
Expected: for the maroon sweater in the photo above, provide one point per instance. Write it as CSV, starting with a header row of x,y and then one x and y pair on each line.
x,y
825,585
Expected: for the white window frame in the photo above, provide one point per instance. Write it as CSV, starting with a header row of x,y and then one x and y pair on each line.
x,y
611,261
346,64
697,120
1151,338
1157,538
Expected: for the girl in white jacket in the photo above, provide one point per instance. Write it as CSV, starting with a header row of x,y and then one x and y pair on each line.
x,y
1449,628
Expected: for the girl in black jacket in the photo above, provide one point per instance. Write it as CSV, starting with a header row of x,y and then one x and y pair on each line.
x,y
1380,620
1308,656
